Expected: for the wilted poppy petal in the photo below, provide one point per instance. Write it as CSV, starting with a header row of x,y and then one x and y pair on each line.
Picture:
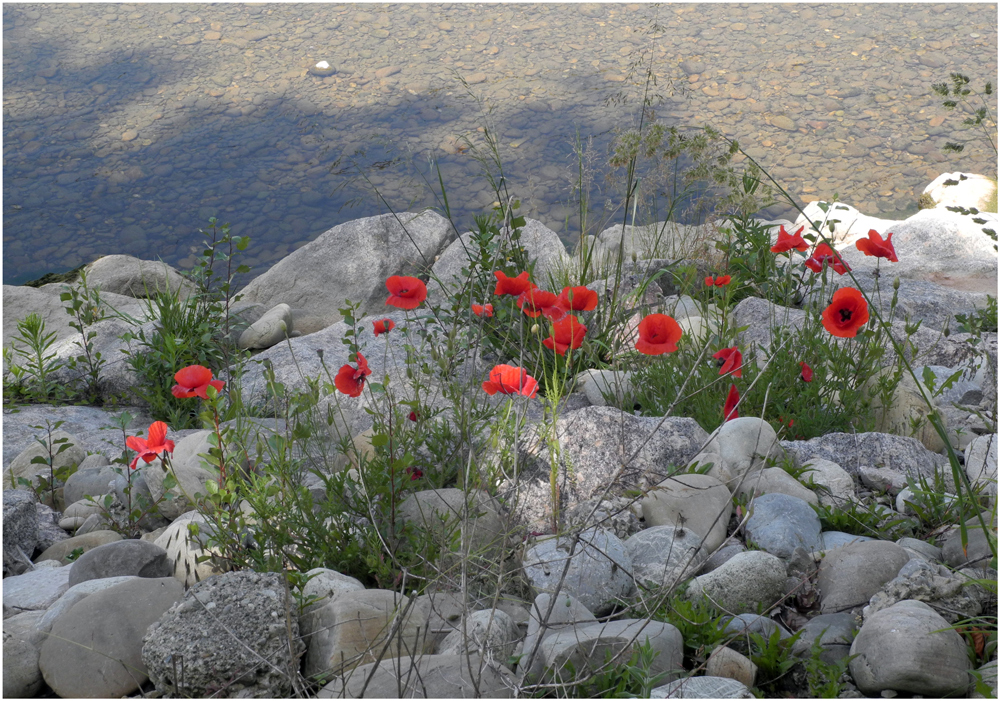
x,y
826,255
383,326
732,399
807,373
482,310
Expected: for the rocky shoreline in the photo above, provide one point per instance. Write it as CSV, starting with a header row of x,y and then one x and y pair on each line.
x,y
95,614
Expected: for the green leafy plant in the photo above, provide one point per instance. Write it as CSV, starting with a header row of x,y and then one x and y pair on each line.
x,y
85,309
958,93
863,518
822,677
52,447
31,362
628,679
981,320
773,656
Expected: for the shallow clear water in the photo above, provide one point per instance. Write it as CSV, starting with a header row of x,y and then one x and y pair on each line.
x,y
127,126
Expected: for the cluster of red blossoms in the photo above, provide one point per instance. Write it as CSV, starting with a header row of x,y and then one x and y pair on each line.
x,y
192,381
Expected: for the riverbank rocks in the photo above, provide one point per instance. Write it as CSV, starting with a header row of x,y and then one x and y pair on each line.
x,y
429,676
353,628
835,631
599,384
702,688
22,641
664,556
981,462
238,631
953,597
599,574
189,469
697,502
663,239
741,584
609,451
20,528
66,453
34,590
966,190
317,278
774,480
270,329
461,525
184,551
575,653
853,451
94,649
850,575
124,557
541,244
909,648
832,483
132,277
491,633
779,523
727,662
744,444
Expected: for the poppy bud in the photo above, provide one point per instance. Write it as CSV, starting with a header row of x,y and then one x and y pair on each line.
x,y
895,283
319,352
534,328
634,256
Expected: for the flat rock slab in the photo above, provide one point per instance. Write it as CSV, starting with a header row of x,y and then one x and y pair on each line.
x,y
94,649
34,590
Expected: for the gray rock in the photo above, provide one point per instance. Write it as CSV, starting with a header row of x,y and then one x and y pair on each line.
x,y
77,512
662,239
723,555
117,378
190,471
22,466
987,674
745,623
74,594
774,480
574,653
49,532
835,539
744,444
727,662
599,573
850,575
976,550
272,328
324,585
909,648
567,612
926,551
697,502
852,451
318,277
541,243
89,481
433,676
779,523
493,634
702,688
951,596
60,551
353,629
34,590
598,384
239,630
122,558
185,551
616,514
758,315
94,648
665,556
132,277
883,479
969,253
744,582
21,644
93,427
981,462
465,527
20,528
830,481
834,631
594,441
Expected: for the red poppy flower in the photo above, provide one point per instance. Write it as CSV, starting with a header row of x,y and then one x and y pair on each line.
x,y
193,380
732,361
567,333
384,326
807,372
482,309
787,241
415,473
732,399
506,379
511,285
405,292
848,312
578,299
413,416
658,334
720,281
149,449
351,380
826,255
535,302
875,246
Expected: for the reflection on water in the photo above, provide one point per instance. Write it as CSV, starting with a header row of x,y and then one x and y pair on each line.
x,y
127,126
